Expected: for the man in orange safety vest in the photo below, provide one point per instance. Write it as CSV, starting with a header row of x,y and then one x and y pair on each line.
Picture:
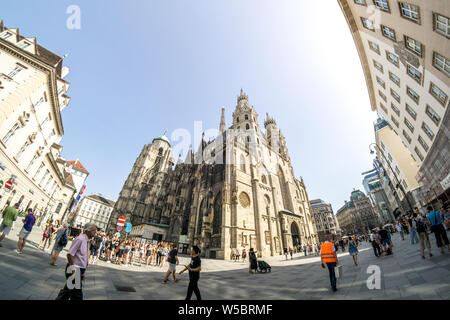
x,y
328,256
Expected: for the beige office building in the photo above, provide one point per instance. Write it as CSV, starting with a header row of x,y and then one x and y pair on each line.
x,y
32,95
405,53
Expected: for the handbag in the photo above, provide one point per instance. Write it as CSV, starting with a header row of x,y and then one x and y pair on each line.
x,y
338,271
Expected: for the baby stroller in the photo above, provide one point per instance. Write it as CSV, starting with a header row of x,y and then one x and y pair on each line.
x,y
263,267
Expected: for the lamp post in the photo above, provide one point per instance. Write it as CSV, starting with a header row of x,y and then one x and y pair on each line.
x,y
399,185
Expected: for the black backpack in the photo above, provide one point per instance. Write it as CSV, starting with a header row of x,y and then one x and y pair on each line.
x,y
421,227
63,240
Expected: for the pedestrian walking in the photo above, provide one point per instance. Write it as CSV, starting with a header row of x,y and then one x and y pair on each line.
x,y
435,220
61,240
77,261
94,248
412,231
305,248
48,231
291,251
285,250
244,255
254,261
424,241
28,224
194,273
328,257
353,250
374,239
400,229
9,216
173,261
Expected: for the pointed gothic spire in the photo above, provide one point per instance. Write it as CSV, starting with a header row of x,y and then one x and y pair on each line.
x,y
189,156
223,125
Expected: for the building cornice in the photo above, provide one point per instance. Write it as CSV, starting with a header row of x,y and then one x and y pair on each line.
x,y
360,48
48,69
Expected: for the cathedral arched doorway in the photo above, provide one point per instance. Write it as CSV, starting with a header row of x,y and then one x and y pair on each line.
x,y
295,235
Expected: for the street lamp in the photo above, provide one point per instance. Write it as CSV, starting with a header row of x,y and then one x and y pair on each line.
x,y
399,185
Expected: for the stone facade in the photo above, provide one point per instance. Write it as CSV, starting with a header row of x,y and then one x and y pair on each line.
x,y
236,191
357,216
325,220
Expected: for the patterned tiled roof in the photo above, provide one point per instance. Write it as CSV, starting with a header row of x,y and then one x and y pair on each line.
x,y
77,165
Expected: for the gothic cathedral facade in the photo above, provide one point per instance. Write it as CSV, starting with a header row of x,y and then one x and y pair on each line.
x,y
236,191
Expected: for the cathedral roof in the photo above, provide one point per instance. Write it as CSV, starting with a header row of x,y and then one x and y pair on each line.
x,y
164,138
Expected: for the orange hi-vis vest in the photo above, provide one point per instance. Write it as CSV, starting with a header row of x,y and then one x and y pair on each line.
x,y
326,253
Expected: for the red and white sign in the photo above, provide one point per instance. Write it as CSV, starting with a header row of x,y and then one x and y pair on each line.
x,y
121,221
119,228
8,184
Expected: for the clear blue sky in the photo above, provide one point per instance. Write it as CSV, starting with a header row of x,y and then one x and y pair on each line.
x,y
139,68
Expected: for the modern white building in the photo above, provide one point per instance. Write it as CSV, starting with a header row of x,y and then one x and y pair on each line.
x,y
32,96
94,208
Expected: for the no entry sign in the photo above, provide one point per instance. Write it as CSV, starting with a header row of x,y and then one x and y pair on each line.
x,y
121,221
8,184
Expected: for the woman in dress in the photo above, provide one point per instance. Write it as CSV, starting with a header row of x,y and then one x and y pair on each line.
x,y
55,227
353,250
58,247
244,255
253,261
164,253
45,236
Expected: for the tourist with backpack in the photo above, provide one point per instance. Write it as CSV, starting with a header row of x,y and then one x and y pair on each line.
x,y
435,220
423,236
61,240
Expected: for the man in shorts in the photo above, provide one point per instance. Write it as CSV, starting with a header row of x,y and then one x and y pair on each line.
x,y
9,216
173,261
28,224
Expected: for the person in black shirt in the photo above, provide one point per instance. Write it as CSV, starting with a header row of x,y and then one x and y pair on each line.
x,y
173,261
194,273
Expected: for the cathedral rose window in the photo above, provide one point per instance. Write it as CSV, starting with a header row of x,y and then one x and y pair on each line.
x,y
244,200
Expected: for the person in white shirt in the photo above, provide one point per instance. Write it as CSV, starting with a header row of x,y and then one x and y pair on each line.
x,y
400,229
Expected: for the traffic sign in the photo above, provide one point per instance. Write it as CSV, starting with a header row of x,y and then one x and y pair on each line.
x,y
128,227
119,228
121,221
8,184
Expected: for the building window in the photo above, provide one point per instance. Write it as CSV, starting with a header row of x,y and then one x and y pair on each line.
x,y
392,58
442,63
247,127
374,47
32,162
382,95
15,71
237,119
433,115
413,45
389,157
394,78
24,44
395,95
411,111
419,154
441,24
409,125
410,11
388,32
22,150
378,65
368,24
382,4
414,73
438,94
394,121
395,109
397,170
423,144
5,35
10,133
427,131
361,2
412,94
38,171
383,108
381,82
407,137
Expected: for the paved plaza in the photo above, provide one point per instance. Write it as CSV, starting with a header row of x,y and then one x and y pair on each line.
x,y
404,275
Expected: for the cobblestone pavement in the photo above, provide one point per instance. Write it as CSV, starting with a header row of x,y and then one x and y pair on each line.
x,y
404,275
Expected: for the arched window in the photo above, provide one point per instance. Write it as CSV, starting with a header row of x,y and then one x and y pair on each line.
x,y
247,126
58,208
160,152
246,117
300,210
284,190
248,138
242,162
217,219
143,195
200,217
237,119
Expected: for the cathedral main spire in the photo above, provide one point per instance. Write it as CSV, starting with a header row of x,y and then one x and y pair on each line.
x,y
223,125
